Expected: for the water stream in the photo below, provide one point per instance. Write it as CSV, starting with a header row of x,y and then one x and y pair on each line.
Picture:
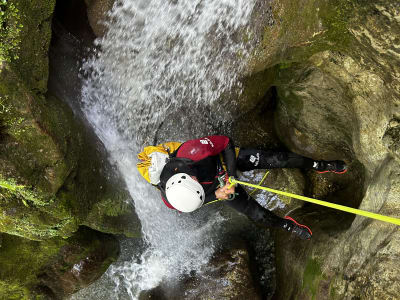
x,y
159,56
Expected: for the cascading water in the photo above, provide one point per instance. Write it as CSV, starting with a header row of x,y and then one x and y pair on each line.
x,y
157,56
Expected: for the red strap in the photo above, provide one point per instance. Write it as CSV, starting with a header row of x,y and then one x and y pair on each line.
x,y
167,203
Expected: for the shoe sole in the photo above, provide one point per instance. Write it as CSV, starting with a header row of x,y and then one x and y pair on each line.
x,y
322,172
298,224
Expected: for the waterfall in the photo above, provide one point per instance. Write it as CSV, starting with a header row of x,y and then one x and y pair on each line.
x,y
157,56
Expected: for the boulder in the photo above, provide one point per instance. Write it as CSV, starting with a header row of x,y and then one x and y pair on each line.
x,y
227,276
97,15
55,268
286,180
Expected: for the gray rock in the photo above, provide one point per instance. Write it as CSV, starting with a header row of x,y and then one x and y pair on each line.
x,y
97,15
338,98
227,276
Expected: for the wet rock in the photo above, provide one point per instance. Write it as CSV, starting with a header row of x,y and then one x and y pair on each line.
x,y
176,118
255,128
97,14
391,138
53,174
83,260
227,276
34,22
54,268
286,180
51,178
338,88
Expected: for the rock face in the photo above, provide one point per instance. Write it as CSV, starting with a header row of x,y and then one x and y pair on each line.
x,y
227,277
336,72
326,72
54,177
97,14
56,267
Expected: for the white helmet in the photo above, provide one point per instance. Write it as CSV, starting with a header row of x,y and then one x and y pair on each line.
x,y
184,193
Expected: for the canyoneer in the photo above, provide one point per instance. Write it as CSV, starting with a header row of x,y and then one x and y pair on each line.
x,y
194,173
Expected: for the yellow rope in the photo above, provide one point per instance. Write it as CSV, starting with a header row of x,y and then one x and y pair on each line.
x,y
260,183
360,212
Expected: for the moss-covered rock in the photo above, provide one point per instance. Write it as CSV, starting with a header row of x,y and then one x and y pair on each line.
x,y
34,37
10,31
292,31
53,268
52,175
50,178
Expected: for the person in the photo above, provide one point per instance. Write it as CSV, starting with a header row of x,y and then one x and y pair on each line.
x,y
189,176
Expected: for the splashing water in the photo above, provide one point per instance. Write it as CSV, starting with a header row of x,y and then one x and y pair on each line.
x,y
156,56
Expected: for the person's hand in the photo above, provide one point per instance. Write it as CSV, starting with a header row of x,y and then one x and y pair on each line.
x,y
225,191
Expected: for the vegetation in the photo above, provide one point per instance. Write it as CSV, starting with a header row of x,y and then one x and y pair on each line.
x,y
10,29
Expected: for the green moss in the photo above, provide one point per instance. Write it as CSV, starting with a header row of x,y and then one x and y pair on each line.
x,y
112,208
26,194
312,276
284,65
21,217
332,291
13,291
10,29
35,34
26,264
303,28
20,262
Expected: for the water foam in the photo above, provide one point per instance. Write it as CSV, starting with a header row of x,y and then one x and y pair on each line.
x,y
157,55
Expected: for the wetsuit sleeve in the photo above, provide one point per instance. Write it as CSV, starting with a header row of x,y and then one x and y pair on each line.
x,y
230,158
210,197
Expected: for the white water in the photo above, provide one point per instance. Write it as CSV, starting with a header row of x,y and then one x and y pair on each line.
x,y
157,56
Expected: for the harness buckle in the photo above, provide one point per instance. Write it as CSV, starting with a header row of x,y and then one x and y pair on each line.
x,y
223,180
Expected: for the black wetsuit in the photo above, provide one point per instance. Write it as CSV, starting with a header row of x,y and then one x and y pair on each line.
x,y
207,169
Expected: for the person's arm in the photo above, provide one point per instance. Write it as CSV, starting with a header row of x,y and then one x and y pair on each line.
x,y
229,156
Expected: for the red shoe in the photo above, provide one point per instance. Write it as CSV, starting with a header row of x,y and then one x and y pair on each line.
x,y
302,231
334,166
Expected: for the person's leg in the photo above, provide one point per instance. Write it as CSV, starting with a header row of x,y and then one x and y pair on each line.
x,y
250,159
255,212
